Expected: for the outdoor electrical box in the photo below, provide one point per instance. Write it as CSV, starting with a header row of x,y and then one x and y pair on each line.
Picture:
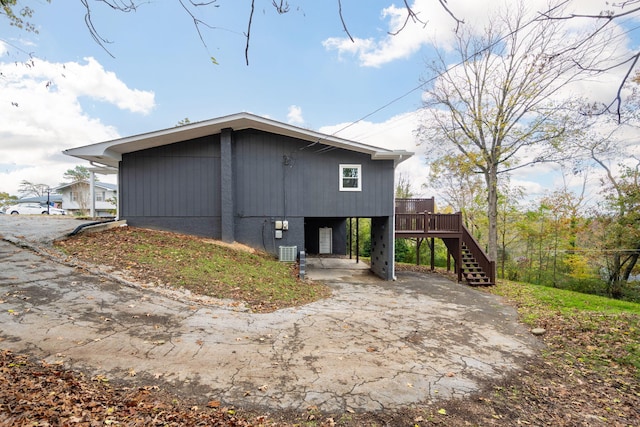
x,y
285,225
278,225
278,234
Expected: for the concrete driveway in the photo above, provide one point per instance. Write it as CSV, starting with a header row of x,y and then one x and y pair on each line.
x,y
373,345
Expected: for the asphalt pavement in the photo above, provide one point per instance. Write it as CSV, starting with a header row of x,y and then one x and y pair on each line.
x,y
372,345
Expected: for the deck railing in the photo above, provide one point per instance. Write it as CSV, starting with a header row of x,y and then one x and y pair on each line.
x,y
415,217
415,205
488,266
428,222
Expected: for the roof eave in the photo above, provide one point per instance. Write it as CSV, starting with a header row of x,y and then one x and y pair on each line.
x,y
110,153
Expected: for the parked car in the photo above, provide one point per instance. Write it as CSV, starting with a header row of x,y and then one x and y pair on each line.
x,y
33,209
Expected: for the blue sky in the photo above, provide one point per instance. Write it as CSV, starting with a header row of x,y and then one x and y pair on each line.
x,y
157,49
302,71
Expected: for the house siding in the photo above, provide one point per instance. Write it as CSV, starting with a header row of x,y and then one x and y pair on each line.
x,y
174,187
309,184
180,187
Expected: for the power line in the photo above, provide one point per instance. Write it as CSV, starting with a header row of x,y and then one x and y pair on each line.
x,y
462,61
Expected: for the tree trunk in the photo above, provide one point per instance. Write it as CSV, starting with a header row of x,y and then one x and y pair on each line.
x,y
615,283
633,259
491,177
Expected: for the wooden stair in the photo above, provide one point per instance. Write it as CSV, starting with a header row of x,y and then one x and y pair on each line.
x,y
415,218
471,270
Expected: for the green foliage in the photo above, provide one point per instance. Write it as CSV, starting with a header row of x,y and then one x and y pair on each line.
x,y
403,188
402,250
78,174
6,199
364,235
17,16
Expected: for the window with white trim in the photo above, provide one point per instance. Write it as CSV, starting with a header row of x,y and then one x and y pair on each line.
x,y
350,177
100,196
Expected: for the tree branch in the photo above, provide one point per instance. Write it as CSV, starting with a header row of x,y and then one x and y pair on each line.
x,y
344,25
410,15
248,33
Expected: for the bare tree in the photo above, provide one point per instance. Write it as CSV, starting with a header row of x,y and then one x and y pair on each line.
x,y
608,145
28,188
615,14
498,106
190,7
459,185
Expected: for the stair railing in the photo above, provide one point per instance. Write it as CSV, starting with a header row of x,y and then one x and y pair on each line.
x,y
488,266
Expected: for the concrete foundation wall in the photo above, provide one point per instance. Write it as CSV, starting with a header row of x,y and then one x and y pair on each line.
x,y
382,235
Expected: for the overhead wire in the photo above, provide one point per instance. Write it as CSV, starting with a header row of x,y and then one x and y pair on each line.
x,y
462,62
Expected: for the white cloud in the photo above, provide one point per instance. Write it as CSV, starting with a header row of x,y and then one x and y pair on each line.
x,y
40,115
92,80
396,133
294,116
434,26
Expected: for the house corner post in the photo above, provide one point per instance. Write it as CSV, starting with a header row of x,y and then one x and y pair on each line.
x,y
227,201
92,193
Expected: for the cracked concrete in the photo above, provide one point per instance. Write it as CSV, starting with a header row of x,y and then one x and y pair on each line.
x,y
372,345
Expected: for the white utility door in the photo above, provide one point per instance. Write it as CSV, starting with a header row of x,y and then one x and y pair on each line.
x,y
326,234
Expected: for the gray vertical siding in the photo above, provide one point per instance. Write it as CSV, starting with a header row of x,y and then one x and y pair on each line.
x,y
174,187
309,184
180,187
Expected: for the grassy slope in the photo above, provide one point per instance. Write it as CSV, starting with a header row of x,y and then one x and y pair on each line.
x,y
199,265
588,373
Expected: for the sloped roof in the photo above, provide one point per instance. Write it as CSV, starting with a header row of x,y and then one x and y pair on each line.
x,y
109,153
53,197
103,185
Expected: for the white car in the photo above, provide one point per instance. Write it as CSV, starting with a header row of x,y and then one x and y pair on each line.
x,y
33,209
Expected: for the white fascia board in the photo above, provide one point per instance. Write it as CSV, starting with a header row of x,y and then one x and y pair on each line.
x,y
397,156
110,152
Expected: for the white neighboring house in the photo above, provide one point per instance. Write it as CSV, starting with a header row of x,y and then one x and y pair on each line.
x,y
76,198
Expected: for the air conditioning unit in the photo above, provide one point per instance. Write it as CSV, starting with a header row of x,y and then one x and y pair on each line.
x,y
288,253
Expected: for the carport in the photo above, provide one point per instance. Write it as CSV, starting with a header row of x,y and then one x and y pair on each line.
x,y
263,183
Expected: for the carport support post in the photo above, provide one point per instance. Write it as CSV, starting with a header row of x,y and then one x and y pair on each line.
x,y
357,240
350,238
92,193
226,194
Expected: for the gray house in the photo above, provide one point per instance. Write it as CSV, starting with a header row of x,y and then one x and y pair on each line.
x,y
256,181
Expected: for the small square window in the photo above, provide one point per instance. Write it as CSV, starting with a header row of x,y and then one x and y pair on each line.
x,y
350,178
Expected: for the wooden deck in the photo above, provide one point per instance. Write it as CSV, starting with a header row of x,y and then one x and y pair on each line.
x,y
415,218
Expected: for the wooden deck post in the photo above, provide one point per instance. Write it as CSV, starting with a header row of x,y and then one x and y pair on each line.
x,y
458,260
432,249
